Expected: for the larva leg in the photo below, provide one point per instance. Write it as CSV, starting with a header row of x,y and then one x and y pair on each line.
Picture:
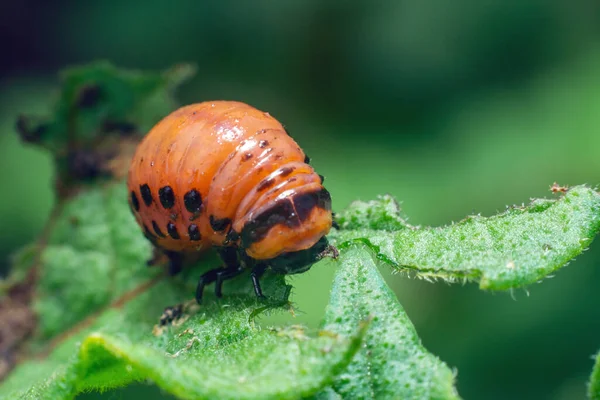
x,y
205,279
231,268
225,274
175,262
229,257
334,223
255,275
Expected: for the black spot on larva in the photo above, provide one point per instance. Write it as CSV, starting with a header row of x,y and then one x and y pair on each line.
x,y
305,202
172,230
246,156
255,230
263,143
192,201
285,171
166,196
219,225
322,178
88,96
146,194
157,229
134,201
194,232
149,235
265,183
306,160
281,213
173,216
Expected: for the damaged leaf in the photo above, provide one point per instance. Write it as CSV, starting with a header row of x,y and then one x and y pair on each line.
x,y
512,249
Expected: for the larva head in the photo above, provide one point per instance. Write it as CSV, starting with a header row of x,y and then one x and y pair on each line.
x,y
289,231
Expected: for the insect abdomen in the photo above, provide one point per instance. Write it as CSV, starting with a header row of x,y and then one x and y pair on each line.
x,y
210,169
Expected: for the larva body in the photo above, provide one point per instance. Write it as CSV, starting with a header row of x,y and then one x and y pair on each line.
x,y
225,174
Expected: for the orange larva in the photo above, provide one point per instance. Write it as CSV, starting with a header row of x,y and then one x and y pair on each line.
x,y
224,174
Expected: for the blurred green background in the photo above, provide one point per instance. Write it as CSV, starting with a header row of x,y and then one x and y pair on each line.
x,y
454,107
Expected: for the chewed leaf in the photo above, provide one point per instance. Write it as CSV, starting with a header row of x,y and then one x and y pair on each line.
x,y
392,363
212,351
512,249
384,213
100,114
103,318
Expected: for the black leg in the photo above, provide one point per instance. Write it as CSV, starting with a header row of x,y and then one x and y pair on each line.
x,y
225,274
231,269
175,262
334,223
229,257
205,279
255,275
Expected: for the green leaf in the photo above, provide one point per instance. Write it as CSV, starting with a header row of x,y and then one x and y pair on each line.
x,y
594,383
95,253
512,249
213,351
99,301
98,304
384,213
392,363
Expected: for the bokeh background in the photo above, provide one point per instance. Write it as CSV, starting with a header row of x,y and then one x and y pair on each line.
x,y
454,107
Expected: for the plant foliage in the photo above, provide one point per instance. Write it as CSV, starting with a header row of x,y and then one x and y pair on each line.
x,y
512,249
99,307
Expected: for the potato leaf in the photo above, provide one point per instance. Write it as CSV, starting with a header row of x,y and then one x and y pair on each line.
x,y
99,116
513,249
212,351
392,363
384,213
